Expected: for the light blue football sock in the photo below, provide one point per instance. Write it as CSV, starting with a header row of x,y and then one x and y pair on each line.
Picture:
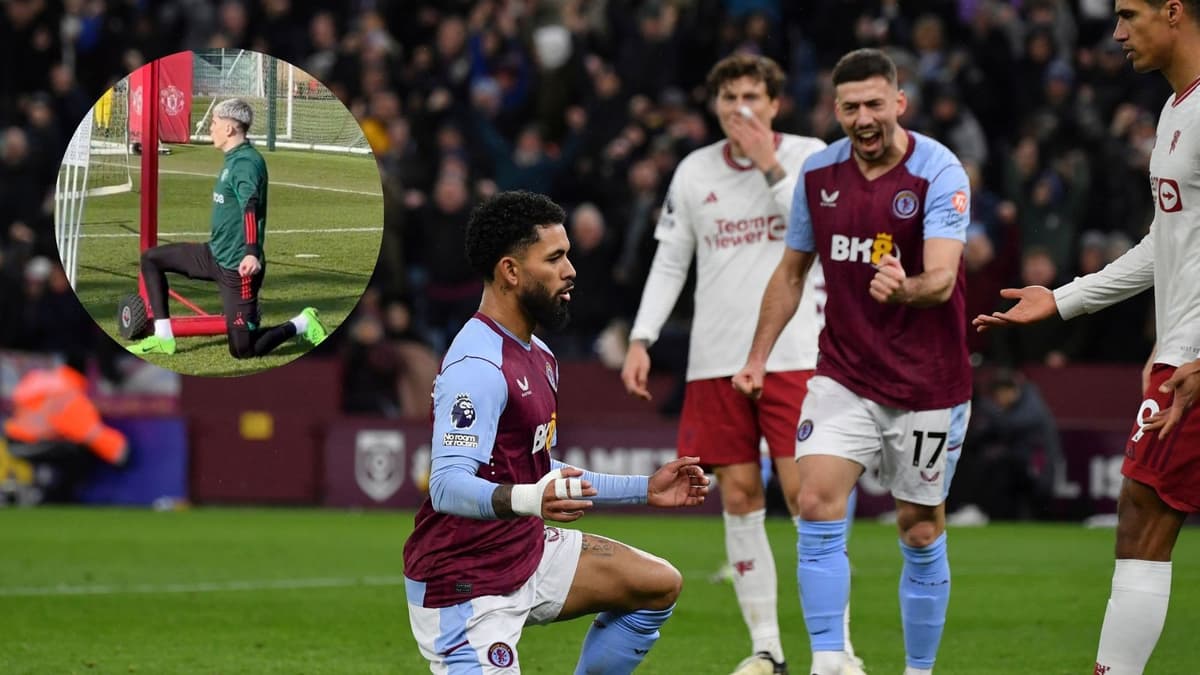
x,y
924,596
824,574
617,642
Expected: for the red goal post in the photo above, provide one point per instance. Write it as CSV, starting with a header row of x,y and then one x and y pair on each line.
x,y
202,323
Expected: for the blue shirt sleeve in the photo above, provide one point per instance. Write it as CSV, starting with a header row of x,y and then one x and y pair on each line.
x,y
613,489
948,203
468,398
800,229
454,488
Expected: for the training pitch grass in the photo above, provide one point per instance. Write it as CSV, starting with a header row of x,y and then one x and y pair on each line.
x,y
324,227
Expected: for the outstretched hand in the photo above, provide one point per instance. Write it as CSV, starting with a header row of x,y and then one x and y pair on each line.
x,y
1034,303
563,503
1185,382
680,482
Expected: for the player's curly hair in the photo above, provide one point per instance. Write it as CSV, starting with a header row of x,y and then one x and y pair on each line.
x,y
746,65
505,225
863,64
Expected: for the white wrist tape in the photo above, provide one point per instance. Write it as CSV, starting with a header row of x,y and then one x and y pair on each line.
x,y
527,497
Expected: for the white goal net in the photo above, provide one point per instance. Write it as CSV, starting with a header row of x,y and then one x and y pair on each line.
x,y
97,163
307,115
109,158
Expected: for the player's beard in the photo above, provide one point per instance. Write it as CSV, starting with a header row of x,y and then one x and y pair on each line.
x,y
545,308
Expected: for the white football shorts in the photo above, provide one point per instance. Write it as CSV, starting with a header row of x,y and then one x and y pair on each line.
x,y
914,451
481,634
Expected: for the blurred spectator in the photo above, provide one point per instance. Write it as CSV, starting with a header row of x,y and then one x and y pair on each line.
x,y
596,101
323,41
449,288
1031,67
955,125
55,427
648,56
1015,452
1037,343
20,194
992,79
639,213
46,140
991,253
1123,200
419,364
937,64
389,369
979,259
69,101
372,369
55,320
1123,332
280,32
1050,194
594,300
232,24
526,164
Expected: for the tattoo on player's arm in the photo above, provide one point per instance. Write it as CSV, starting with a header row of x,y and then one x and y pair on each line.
x,y
597,546
774,175
502,502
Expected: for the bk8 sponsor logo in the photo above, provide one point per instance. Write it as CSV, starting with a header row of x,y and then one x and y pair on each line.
x,y
543,435
862,249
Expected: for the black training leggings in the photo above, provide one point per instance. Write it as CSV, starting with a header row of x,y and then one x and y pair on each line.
x,y
239,295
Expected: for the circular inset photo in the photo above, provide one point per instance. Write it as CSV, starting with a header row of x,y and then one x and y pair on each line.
x,y
219,212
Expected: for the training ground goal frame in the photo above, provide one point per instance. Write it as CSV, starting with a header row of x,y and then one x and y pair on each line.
x,y
201,323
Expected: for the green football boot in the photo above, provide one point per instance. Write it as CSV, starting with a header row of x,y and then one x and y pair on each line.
x,y
316,331
153,345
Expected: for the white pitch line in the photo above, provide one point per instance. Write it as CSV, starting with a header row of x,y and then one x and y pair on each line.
x,y
197,587
330,230
302,186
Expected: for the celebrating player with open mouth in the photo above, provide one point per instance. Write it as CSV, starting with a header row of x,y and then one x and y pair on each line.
x,y
886,210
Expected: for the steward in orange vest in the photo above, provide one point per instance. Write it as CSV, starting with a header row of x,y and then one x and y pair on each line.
x,y
51,409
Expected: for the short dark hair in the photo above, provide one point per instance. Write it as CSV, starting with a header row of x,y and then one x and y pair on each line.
x,y
1193,7
746,65
863,64
506,224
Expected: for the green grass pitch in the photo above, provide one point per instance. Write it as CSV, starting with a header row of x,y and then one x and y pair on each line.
x,y
225,591
322,243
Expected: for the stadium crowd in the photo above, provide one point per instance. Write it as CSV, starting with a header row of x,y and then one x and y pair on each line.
x,y
594,102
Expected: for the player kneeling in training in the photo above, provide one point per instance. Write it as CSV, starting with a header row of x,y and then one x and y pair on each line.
x,y
481,564
233,256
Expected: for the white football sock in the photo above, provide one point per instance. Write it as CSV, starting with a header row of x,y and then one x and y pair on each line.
x,y
754,580
301,323
1134,619
909,670
828,663
162,329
